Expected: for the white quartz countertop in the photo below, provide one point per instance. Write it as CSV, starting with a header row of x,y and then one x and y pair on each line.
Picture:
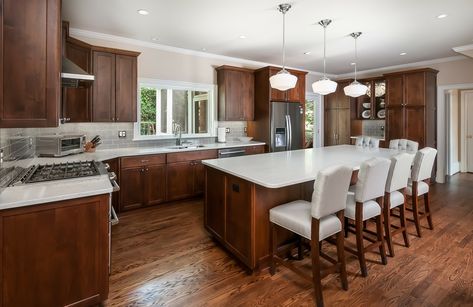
x,y
40,193
280,169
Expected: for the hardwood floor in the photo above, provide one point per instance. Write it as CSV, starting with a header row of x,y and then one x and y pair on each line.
x,y
162,256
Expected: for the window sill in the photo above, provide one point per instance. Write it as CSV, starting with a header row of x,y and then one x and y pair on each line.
x,y
171,137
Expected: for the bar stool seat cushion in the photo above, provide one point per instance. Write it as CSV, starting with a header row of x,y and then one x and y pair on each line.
x,y
370,208
396,199
296,217
422,188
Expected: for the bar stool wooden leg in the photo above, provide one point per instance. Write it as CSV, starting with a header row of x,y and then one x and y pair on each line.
x,y
379,233
359,238
315,253
273,246
427,210
341,255
387,224
415,212
402,212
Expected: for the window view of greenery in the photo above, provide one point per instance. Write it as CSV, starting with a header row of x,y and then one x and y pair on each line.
x,y
163,109
309,123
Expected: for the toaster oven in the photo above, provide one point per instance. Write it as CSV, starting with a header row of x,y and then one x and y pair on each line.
x,y
59,145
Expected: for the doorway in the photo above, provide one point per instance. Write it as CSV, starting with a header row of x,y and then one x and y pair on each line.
x,y
466,131
313,120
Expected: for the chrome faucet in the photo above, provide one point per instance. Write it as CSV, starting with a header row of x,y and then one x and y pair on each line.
x,y
178,133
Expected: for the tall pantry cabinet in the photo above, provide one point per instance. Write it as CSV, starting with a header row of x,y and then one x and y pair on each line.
x,y
411,111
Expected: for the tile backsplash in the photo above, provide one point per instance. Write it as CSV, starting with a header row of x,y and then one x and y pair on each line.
x,y
373,128
109,134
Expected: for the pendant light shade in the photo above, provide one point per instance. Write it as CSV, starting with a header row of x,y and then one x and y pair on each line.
x,y
355,89
324,86
283,80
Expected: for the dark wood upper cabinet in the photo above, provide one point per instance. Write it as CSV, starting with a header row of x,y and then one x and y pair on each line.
x,y
411,106
104,87
30,63
125,88
235,93
76,102
337,128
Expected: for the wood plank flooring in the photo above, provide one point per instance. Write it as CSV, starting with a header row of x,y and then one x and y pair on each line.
x,y
162,256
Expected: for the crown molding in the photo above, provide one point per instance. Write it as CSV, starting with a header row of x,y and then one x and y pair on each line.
x,y
403,66
463,48
152,45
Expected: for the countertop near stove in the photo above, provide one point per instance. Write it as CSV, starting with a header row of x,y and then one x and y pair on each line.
x,y
40,193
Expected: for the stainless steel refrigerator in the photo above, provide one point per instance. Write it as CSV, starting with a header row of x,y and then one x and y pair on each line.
x,y
286,126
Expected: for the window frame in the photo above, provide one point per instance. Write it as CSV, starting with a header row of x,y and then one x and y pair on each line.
x,y
159,84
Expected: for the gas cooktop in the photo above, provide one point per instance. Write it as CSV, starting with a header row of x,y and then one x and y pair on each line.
x,y
59,171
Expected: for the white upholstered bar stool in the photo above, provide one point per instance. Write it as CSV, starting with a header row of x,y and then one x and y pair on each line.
x,y
367,203
316,221
404,145
419,185
395,197
367,141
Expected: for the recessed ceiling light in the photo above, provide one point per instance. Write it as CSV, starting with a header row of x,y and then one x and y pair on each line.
x,y
154,39
242,36
441,16
307,52
204,49
142,12
403,53
352,63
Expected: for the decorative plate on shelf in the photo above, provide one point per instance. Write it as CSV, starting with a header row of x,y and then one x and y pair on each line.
x,y
379,89
367,105
366,114
382,114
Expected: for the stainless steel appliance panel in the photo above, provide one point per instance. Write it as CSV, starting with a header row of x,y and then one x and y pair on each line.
x,y
286,126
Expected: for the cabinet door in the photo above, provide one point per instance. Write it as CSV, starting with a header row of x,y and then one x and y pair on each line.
x,y
343,134
76,104
214,207
132,182
57,254
254,150
238,217
415,125
342,101
30,63
179,180
199,177
248,95
395,90
414,84
395,125
330,131
103,88
233,95
297,94
155,184
125,85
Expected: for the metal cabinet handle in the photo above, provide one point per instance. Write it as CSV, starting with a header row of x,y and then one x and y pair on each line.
x,y
117,119
144,161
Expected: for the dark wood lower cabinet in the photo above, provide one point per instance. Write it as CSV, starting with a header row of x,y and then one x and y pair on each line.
x,y
132,195
182,180
56,254
156,184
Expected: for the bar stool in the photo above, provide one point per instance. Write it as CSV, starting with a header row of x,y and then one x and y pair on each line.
x,y
315,221
367,141
419,185
395,197
404,145
367,203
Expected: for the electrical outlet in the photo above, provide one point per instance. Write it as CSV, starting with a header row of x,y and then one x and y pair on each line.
x,y
227,130
245,130
122,134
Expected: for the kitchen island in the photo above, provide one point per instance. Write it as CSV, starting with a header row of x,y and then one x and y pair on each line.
x,y
240,191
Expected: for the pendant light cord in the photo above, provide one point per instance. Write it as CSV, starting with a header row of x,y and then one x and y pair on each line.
x,y
283,40
356,57
325,49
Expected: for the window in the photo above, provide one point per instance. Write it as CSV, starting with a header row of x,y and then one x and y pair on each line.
x,y
164,105
313,123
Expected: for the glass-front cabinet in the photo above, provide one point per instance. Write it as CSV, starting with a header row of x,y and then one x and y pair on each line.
x,y
372,104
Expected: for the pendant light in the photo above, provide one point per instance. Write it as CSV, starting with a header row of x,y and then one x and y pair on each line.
x,y
324,86
283,80
355,89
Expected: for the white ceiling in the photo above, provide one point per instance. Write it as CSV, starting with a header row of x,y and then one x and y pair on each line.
x,y
389,27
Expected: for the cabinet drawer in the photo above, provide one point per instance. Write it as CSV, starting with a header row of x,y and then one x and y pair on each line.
x,y
138,161
192,155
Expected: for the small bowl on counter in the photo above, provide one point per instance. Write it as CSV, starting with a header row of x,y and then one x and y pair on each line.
x,y
245,139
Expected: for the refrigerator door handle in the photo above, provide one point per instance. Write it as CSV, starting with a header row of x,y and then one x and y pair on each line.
x,y
289,133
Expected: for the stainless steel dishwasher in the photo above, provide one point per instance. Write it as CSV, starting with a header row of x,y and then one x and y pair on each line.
x,y
231,152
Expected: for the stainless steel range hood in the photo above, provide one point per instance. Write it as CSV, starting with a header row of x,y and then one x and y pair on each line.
x,y
74,76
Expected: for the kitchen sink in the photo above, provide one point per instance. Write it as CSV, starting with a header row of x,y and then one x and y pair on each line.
x,y
186,146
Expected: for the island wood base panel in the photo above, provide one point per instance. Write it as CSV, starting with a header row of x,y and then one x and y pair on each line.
x,y
236,213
